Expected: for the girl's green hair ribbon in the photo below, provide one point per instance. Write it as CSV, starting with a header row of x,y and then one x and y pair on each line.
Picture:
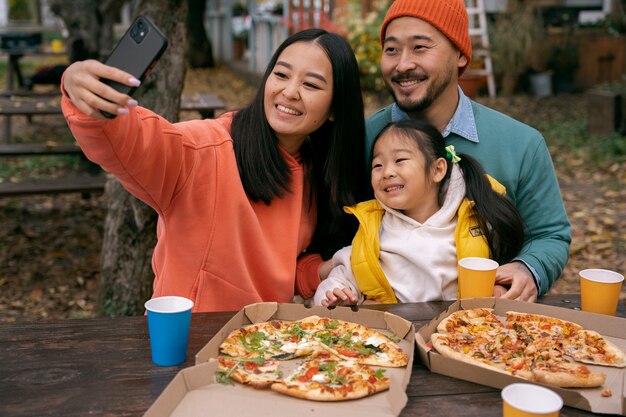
x,y
451,154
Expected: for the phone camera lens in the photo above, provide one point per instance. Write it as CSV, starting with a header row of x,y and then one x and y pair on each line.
x,y
139,30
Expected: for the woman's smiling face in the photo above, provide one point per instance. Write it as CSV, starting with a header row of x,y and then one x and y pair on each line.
x,y
298,94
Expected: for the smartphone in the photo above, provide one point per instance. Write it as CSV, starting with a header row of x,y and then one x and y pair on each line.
x,y
136,53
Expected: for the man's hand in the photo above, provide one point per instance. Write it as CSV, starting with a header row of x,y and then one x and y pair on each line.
x,y
515,282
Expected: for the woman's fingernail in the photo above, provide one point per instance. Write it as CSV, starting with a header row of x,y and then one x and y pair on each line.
x,y
134,81
132,103
122,110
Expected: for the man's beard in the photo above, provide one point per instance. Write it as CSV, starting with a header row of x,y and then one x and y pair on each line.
x,y
433,91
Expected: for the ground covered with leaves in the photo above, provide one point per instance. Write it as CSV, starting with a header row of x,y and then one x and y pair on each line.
x,y
50,245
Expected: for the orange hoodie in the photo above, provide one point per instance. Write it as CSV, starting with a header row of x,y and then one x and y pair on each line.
x,y
215,246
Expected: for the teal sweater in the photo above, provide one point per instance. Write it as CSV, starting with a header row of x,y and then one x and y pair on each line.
x,y
516,155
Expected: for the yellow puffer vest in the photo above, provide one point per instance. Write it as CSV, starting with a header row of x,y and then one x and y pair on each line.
x,y
366,244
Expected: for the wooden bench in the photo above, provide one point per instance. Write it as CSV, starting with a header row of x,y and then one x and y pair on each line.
x,y
31,105
85,185
45,104
204,103
36,104
34,149
29,93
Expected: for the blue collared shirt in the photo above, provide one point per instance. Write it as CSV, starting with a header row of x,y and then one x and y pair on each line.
x,y
464,125
462,122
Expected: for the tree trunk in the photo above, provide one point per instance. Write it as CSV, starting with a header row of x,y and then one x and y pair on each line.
x,y
130,226
110,13
200,53
82,22
89,22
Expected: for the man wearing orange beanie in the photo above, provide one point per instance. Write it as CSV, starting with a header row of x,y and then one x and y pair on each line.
x,y
426,47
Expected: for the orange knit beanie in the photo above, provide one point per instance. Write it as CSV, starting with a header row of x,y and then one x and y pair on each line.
x,y
448,16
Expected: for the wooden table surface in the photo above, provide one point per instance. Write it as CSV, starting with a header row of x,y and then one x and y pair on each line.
x,y
102,367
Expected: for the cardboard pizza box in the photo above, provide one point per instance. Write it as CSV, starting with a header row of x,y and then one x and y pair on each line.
x,y
590,399
194,392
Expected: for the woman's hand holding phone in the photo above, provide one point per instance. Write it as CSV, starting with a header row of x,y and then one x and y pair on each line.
x,y
107,88
83,83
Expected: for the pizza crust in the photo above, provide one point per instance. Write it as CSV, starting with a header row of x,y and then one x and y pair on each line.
x,y
568,380
333,380
320,393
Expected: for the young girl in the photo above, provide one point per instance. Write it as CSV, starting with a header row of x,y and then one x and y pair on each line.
x,y
247,202
432,208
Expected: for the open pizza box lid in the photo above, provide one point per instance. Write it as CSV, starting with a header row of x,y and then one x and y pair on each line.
x,y
612,328
194,392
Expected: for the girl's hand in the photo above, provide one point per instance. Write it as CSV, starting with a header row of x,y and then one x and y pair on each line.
x,y
81,81
325,269
339,296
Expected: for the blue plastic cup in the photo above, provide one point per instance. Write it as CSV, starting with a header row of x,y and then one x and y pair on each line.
x,y
168,323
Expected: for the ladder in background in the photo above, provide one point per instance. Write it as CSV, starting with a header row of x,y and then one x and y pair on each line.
x,y
480,42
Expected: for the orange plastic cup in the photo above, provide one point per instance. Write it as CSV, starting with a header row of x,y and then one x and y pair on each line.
x,y
599,290
477,277
528,400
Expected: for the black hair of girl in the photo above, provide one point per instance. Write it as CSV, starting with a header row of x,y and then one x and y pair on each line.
x,y
499,219
333,157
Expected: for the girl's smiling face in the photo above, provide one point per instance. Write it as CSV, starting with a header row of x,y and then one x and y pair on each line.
x,y
298,94
401,178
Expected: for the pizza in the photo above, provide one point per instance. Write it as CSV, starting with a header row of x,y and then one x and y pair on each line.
x,y
549,367
314,336
537,326
356,342
257,372
532,346
590,347
338,358
569,338
503,352
276,339
471,322
333,380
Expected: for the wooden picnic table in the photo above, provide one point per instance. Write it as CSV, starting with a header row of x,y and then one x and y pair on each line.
x,y
102,367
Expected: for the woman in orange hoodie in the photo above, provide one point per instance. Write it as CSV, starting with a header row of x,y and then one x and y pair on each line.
x,y
249,203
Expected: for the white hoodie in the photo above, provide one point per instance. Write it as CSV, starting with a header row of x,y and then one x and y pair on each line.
x,y
419,259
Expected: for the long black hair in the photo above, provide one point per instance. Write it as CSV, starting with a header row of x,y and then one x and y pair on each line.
x,y
333,157
498,218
